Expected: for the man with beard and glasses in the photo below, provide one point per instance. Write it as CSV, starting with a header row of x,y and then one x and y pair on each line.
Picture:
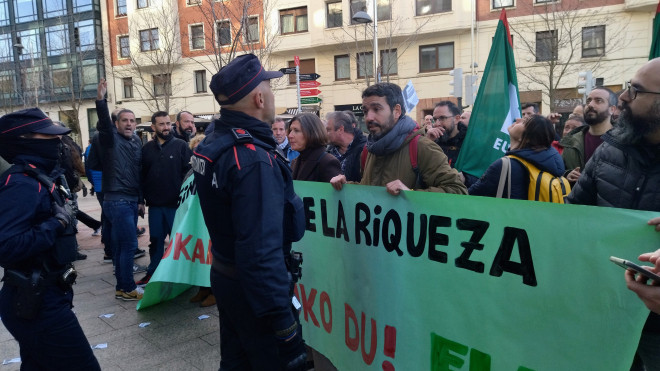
x,y
581,143
388,161
449,132
184,127
165,162
625,172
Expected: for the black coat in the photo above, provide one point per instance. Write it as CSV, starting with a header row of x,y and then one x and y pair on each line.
x,y
164,167
315,165
352,164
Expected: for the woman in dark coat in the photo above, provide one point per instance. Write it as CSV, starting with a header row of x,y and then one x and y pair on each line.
x,y
308,135
531,140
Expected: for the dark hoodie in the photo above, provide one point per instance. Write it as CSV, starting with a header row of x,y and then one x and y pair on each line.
x,y
452,146
548,160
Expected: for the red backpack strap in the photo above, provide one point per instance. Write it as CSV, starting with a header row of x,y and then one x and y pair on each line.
x,y
363,158
412,150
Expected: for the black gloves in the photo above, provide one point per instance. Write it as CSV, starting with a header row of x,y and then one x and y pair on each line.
x,y
64,213
293,355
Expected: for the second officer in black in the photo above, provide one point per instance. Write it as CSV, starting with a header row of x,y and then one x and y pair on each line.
x,y
246,195
37,246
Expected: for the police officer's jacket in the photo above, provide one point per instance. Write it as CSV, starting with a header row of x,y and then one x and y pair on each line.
x,y
122,158
28,228
241,188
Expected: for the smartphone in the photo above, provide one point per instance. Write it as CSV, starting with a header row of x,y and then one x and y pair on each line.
x,y
637,268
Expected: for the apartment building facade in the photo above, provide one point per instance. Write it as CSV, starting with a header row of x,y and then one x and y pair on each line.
x,y
51,57
163,53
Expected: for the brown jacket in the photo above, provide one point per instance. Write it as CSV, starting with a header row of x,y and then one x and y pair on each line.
x,y
431,162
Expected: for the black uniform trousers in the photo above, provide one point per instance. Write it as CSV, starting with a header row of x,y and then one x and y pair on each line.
x,y
52,341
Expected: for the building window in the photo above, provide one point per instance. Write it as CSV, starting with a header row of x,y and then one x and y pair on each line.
x,y
25,10
425,7
357,6
60,75
200,81
121,8
365,65
82,6
141,4
92,118
5,44
252,30
293,20
54,8
437,57
546,46
306,66
4,12
223,33
124,47
384,10
149,40
197,36
388,61
342,67
593,41
333,14
544,1
89,74
127,84
497,4
57,40
162,84
31,45
83,35
194,2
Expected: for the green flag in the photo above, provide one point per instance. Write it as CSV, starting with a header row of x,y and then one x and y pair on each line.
x,y
496,107
655,44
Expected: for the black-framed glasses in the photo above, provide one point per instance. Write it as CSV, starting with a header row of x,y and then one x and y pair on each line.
x,y
442,118
632,91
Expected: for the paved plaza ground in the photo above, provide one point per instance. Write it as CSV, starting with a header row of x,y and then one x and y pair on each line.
x,y
175,339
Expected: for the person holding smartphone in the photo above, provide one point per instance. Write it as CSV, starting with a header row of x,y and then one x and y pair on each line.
x,y
648,292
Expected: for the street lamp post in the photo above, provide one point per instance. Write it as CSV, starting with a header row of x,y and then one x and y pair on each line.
x,y
364,17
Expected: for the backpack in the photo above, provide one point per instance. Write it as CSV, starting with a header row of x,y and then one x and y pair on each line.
x,y
412,151
543,186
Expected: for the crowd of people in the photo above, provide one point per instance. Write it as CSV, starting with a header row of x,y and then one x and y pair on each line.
x,y
608,150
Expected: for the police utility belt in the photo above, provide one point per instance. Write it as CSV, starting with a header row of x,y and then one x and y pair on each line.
x,y
32,283
293,266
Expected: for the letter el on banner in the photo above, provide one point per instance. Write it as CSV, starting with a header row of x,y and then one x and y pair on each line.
x,y
428,281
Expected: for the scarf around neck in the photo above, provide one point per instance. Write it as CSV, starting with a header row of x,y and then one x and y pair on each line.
x,y
393,139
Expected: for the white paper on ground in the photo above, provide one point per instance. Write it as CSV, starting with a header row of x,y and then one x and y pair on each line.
x,y
13,360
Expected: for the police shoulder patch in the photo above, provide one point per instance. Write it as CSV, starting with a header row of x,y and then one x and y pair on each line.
x,y
241,135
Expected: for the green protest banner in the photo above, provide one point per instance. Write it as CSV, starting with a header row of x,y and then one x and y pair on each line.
x,y
446,282
187,259
427,281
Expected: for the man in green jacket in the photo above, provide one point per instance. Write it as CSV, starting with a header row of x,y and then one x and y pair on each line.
x,y
582,142
388,161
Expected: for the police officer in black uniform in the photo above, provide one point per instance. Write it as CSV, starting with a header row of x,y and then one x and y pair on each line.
x,y
246,195
37,246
